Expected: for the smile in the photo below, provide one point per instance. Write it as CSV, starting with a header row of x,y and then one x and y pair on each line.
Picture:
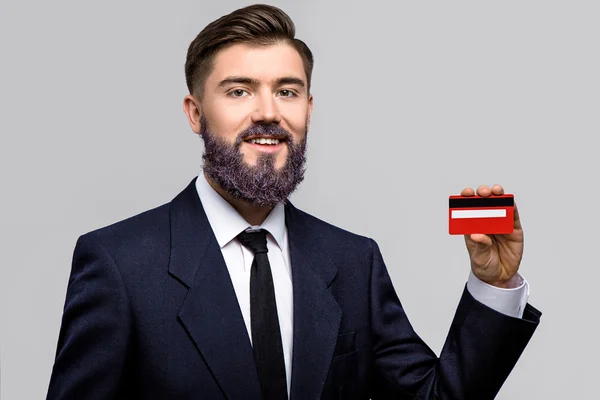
x,y
268,141
265,144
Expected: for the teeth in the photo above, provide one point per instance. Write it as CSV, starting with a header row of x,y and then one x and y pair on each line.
x,y
264,141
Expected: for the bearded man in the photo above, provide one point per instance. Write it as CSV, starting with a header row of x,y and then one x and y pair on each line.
x,y
231,292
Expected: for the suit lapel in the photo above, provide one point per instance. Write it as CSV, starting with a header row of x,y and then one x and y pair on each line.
x,y
317,315
210,313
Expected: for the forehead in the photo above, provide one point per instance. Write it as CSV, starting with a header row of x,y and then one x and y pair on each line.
x,y
263,63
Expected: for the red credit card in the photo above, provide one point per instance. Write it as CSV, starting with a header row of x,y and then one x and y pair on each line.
x,y
493,215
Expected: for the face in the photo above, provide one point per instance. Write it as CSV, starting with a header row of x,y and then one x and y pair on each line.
x,y
253,117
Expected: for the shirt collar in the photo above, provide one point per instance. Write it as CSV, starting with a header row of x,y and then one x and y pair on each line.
x,y
227,223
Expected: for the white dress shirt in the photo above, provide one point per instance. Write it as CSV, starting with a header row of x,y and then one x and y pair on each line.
x,y
227,223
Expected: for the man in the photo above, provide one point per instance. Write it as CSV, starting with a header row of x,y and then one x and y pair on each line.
x,y
229,291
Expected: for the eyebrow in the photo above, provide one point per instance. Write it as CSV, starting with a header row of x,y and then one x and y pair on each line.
x,y
286,80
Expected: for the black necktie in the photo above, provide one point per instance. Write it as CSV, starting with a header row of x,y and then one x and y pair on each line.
x,y
266,336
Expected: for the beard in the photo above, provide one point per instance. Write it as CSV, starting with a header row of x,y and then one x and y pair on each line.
x,y
261,184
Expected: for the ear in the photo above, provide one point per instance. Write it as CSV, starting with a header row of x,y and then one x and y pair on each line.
x,y
310,109
193,110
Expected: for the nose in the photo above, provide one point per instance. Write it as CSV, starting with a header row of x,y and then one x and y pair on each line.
x,y
266,110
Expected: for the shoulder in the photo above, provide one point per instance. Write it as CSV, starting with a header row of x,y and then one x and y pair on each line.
x,y
147,231
327,233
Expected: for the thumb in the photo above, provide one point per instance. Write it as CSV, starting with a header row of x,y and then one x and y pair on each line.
x,y
482,241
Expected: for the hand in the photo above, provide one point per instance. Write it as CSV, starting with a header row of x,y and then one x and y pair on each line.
x,y
495,259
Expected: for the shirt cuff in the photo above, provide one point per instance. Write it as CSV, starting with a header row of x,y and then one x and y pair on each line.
x,y
509,302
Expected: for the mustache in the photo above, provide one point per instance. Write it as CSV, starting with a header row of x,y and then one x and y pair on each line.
x,y
266,130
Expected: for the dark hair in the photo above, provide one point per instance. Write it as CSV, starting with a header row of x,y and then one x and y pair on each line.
x,y
257,25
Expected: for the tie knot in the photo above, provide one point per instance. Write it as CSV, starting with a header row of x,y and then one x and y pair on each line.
x,y
254,240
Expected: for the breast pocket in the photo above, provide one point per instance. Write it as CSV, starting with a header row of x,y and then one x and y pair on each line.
x,y
346,343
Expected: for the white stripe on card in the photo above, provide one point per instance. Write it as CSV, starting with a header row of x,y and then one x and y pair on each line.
x,y
459,214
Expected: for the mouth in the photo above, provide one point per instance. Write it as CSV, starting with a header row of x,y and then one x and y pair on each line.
x,y
269,144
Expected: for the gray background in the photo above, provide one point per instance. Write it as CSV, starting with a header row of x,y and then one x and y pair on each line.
x,y
413,102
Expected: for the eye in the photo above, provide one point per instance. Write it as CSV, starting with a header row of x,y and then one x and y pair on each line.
x,y
237,93
287,93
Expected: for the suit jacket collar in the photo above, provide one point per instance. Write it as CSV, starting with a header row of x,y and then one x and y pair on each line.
x,y
317,315
210,313
212,316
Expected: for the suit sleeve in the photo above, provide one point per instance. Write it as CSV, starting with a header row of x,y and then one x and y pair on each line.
x,y
481,348
96,324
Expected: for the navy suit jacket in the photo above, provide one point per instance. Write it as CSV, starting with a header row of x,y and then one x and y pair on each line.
x,y
151,313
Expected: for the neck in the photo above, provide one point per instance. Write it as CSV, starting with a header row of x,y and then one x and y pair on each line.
x,y
254,215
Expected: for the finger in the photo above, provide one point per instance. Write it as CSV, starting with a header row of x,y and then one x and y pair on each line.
x,y
467,192
484,191
481,239
497,190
